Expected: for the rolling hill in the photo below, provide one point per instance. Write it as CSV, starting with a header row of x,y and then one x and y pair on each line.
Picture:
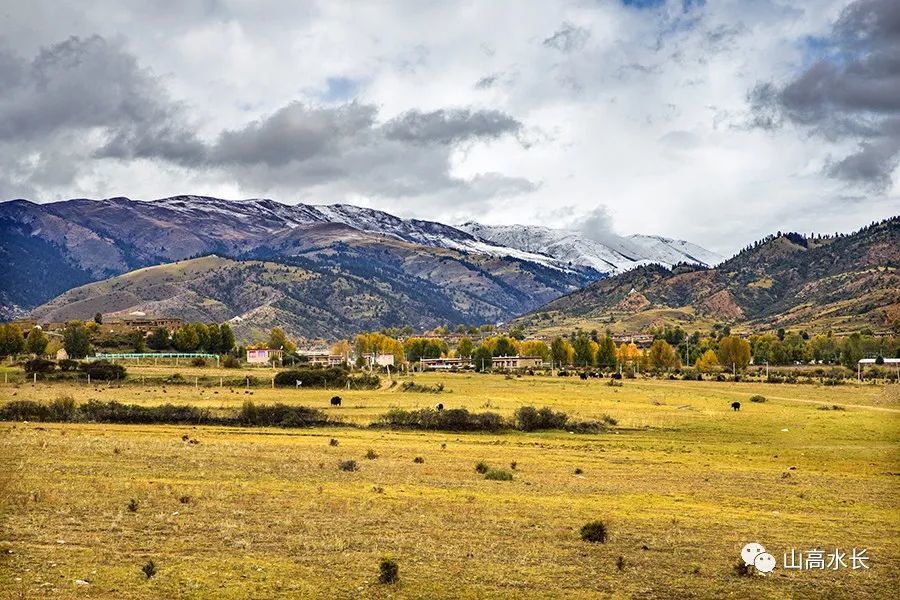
x,y
786,280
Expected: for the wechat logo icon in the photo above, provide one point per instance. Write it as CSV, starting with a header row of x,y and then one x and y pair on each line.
x,y
755,555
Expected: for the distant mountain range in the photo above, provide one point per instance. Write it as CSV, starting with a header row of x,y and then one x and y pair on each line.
x,y
787,280
614,254
372,269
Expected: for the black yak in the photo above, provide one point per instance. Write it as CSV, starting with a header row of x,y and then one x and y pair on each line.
x,y
335,400
439,406
736,406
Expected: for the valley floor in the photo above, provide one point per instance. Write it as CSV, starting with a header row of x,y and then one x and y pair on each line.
x,y
682,484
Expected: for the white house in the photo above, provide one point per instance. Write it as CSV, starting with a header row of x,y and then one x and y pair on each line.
x,y
378,360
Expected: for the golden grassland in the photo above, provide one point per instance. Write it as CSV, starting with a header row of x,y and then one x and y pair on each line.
x,y
682,483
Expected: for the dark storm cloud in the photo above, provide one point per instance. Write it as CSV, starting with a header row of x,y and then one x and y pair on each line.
x,y
450,126
568,39
346,146
82,84
852,93
87,98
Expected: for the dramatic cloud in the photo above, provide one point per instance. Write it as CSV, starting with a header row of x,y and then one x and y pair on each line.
x,y
853,92
432,111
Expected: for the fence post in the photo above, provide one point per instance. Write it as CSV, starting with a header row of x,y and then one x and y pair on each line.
x,y
195,382
220,381
273,383
35,378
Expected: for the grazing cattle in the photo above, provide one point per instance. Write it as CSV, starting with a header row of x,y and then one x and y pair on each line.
x,y
583,375
335,400
439,406
736,406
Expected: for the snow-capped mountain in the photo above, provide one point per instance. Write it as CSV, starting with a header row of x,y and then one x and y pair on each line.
x,y
271,216
615,254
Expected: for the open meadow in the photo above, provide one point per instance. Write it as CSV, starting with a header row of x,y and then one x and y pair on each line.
x,y
682,483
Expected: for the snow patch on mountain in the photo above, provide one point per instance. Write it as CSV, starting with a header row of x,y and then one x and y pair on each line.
x,y
614,254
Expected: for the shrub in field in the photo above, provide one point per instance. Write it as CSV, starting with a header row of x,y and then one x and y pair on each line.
x,y
498,475
280,415
116,412
24,410
594,532
332,377
68,365
63,409
741,569
103,370
482,467
371,454
412,386
454,419
132,505
198,362
39,365
757,398
615,381
333,442
185,499
389,571
418,460
527,418
231,362
609,420
578,471
348,465
149,569
620,563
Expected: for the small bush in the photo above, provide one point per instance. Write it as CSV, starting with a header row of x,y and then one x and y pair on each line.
x,y
185,499
103,370
757,398
594,532
389,571
132,505
527,418
231,362
198,362
39,365
482,467
68,365
578,471
63,409
742,570
513,465
620,563
609,420
411,386
348,465
498,475
333,442
371,454
615,382
418,460
149,569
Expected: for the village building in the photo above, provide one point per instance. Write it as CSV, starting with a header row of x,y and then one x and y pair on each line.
x,y
516,362
444,364
262,356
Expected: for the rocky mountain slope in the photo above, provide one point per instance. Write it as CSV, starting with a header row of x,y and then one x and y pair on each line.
x,y
614,254
50,248
783,281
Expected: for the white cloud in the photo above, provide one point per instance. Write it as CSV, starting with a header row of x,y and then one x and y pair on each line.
x,y
641,112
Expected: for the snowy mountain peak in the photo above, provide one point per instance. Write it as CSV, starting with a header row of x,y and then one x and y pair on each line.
x,y
614,254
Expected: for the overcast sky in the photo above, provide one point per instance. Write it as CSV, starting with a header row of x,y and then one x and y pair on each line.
x,y
717,122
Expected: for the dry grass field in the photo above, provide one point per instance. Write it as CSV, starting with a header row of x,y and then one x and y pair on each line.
x,y
682,483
